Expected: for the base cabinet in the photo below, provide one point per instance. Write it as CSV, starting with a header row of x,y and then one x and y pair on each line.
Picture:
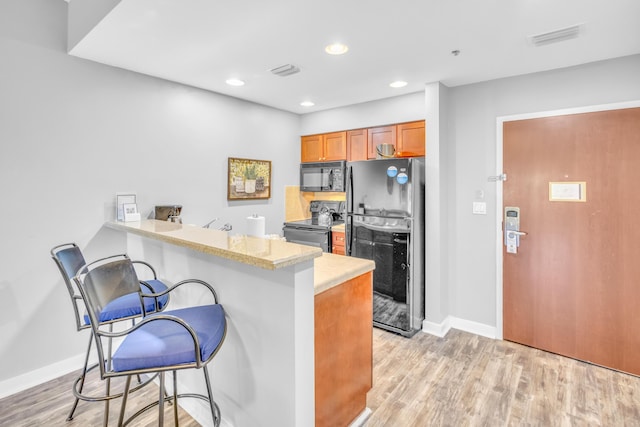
x,y
343,351
337,242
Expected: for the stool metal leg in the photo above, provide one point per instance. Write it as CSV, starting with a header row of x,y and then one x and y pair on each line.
x,y
108,381
215,410
175,398
125,395
83,376
106,403
161,401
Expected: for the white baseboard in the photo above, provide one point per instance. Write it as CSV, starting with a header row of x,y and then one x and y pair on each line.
x,y
39,376
362,418
437,329
450,322
200,411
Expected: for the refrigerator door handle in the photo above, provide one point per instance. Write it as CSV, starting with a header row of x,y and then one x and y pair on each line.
x,y
349,225
349,233
350,189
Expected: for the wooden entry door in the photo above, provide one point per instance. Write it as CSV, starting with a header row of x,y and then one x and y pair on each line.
x,y
573,288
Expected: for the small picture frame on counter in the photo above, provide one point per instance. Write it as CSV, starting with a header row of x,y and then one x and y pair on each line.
x,y
121,200
131,212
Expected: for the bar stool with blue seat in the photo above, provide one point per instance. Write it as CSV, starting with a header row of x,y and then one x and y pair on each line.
x,y
172,340
69,260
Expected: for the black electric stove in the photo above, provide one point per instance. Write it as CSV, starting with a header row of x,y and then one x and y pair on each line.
x,y
310,231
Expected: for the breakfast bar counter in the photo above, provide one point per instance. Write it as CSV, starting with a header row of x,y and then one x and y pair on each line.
x,y
264,253
281,300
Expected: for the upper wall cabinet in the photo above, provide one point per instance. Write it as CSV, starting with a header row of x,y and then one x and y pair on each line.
x,y
360,144
357,147
407,138
410,139
324,147
380,135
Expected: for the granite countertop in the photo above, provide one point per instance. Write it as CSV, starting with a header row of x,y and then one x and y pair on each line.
x,y
269,254
329,269
339,227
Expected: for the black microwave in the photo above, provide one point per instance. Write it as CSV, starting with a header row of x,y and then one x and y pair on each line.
x,y
323,176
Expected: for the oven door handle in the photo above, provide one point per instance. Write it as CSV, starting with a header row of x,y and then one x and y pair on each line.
x,y
320,238
308,230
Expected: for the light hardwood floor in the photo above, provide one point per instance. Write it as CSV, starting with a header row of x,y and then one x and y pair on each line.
x,y
468,380
460,380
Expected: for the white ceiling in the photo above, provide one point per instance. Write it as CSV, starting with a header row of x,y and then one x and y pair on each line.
x,y
204,42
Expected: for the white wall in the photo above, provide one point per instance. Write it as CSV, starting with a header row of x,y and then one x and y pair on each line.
x,y
472,117
398,109
72,134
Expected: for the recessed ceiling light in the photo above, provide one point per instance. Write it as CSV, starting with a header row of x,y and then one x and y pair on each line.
x,y
398,83
307,104
336,49
235,82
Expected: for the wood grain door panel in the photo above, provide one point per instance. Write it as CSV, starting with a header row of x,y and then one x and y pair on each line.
x,y
380,135
357,145
411,139
311,149
335,146
573,288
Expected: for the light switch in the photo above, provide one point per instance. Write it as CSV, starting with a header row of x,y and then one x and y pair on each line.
x,y
479,208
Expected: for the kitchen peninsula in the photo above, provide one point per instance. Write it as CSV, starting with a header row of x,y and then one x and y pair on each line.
x,y
298,345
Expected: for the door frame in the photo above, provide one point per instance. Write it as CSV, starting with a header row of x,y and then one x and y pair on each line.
x,y
499,190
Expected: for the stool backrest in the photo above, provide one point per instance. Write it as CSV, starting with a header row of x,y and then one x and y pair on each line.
x,y
70,260
105,280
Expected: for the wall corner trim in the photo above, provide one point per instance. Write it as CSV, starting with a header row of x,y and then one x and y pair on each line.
x,y
441,329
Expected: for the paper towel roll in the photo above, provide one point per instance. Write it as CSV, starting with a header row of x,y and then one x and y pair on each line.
x,y
255,226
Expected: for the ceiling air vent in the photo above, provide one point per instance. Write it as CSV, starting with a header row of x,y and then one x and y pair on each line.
x,y
285,70
556,35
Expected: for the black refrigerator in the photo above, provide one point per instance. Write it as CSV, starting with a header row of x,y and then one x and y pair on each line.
x,y
385,223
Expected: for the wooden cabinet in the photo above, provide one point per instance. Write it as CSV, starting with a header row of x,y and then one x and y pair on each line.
x,y
380,135
311,149
407,138
357,147
324,147
337,242
360,144
410,139
343,351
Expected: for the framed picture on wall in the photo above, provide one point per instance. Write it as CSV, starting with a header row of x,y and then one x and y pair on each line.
x,y
248,179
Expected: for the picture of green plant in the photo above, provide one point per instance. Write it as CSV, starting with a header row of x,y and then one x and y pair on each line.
x,y
250,171
248,179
